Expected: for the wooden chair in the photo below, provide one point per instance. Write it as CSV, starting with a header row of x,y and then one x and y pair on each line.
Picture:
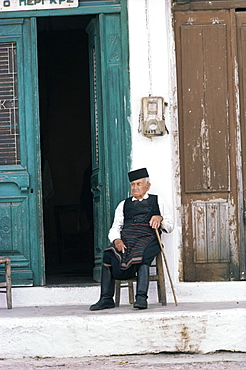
x,y
7,283
158,276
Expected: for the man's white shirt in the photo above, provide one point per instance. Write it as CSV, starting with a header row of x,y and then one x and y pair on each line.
x,y
167,223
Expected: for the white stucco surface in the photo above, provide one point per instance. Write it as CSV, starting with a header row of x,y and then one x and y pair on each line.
x,y
74,331
151,72
149,65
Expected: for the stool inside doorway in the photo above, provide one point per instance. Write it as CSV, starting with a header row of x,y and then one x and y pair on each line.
x,y
158,276
7,283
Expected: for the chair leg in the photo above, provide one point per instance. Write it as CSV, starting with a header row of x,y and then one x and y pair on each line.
x,y
8,283
130,291
118,286
159,278
161,288
117,293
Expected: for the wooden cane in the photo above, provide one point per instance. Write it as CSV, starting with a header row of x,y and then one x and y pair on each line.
x,y
165,260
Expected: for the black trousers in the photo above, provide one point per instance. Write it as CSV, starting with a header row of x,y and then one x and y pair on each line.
x,y
110,258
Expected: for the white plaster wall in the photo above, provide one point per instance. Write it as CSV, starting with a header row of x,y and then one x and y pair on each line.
x,y
152,71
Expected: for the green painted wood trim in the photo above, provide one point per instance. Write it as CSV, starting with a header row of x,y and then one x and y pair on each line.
x,y
83,9
116,128
38,259
116,110
20,200
126,89
33,154
109,33
98,160
19,277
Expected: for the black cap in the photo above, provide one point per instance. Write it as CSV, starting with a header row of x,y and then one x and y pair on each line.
x,y
138,174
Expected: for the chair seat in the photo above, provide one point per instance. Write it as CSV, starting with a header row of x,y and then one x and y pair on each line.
x,y
158,276
7,283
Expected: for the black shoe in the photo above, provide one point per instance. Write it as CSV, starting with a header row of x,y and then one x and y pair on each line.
x,y
107,291
142,287
140,303
102,304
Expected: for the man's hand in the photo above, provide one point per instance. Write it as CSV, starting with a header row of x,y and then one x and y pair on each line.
x,y
119,245
155,221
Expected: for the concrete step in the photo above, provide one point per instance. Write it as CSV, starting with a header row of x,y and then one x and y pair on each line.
x,y
74,331
56,322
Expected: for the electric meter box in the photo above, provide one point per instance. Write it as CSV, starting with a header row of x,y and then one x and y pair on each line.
x,y
152,116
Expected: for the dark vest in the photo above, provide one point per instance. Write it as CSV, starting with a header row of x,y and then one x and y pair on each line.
x,y
140,212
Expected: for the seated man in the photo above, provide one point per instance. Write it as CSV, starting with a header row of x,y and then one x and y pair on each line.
x,y
133,239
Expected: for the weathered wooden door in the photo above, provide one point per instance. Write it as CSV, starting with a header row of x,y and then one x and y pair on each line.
x,y
20,211
207,125
110,127
241,53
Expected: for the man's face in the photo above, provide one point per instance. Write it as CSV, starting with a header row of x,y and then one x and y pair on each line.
x,y
139,188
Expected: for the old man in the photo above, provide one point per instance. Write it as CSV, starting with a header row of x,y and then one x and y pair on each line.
x,y
133,241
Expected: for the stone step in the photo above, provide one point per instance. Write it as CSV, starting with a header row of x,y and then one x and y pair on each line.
x,y
74,331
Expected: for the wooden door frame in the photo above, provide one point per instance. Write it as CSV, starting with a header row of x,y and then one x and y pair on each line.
x,y
205,5
241,150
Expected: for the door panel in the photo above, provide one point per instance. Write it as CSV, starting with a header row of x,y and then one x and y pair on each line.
x,y
204,133
110,128
98,185
207,146
20,228
241,50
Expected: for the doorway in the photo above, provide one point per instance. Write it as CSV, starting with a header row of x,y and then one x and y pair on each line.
x,y
65,129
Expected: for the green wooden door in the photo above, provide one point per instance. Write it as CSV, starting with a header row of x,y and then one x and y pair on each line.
x,y
110,127
20,195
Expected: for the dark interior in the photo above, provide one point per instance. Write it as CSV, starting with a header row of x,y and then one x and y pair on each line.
x,y
65,130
